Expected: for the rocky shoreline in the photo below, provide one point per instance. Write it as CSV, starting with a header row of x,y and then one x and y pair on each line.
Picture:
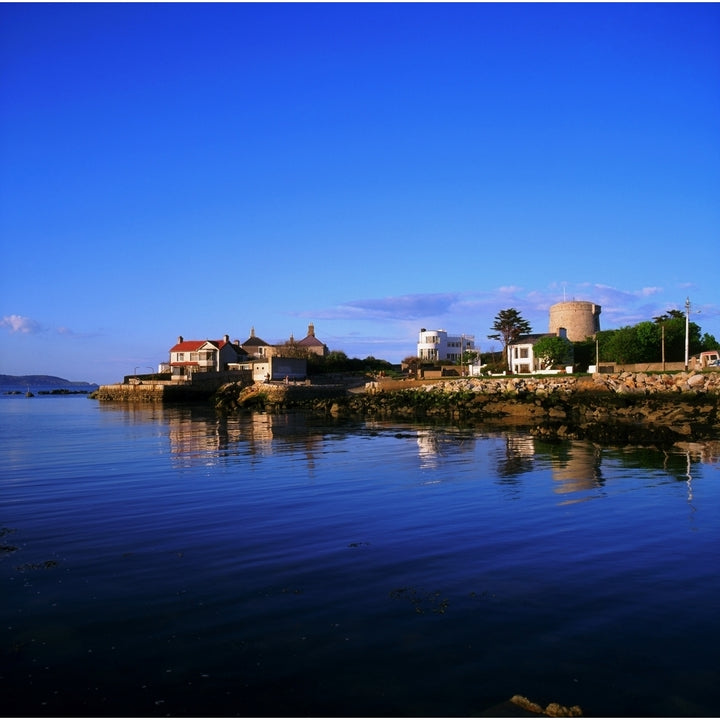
x,y
624,408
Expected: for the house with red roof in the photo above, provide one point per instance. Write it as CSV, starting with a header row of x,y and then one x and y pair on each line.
x,y
265,361
193,356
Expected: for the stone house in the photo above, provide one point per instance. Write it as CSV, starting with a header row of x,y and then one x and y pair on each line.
x,y
274,368
311,344
256,347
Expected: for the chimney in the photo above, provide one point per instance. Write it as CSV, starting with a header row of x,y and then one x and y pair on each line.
x,y
252,331
311,330
180,339
226,338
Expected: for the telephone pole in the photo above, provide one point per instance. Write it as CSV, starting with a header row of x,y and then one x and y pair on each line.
x,y
687,333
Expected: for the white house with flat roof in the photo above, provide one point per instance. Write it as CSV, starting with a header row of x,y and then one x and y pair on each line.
x,y
438,345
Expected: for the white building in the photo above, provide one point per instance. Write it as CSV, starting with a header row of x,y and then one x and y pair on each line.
x,y
438,345
521,353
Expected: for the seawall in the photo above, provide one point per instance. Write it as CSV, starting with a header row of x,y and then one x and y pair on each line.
x,y
152,392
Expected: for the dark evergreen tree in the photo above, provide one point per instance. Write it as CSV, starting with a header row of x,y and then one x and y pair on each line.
x,y
509,326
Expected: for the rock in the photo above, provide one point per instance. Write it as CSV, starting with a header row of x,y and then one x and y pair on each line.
x,y
551,710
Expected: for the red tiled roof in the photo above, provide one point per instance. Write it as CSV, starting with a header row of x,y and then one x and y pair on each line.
x,y
187,346
192,345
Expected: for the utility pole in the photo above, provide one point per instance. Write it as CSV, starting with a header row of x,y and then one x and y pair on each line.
x,y
597,355
662,335
687,333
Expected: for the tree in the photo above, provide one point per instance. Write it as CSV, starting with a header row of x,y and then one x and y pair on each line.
x,y
553,351
509,326
674,323
709,342
649,341
642,343
621,346
469,357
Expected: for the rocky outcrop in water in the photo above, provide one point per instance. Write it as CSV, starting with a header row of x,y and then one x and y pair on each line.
x,y
632,408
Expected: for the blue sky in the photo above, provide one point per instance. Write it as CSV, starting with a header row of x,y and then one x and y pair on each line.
x,y
199,169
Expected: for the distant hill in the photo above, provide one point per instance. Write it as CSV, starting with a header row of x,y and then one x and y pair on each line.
x,y
46,381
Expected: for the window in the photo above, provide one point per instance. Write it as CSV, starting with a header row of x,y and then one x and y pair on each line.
x,y
524,352
180,357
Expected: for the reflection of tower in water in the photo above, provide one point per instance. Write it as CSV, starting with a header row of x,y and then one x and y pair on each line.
x,y
579,470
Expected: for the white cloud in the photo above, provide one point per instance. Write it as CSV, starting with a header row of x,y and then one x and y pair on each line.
x,y
20,324
69,332
648,291
403,307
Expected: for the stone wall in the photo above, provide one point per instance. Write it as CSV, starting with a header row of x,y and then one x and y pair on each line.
x,y
200,387
131,392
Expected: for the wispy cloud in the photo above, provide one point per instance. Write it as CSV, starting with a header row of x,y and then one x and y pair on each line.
x,y
402,307
20,324
69,332
405,307
467,310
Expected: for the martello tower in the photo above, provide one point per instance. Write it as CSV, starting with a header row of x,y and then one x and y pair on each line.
x,y
581,319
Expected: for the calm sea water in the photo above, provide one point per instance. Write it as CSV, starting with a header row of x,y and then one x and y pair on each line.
x,y
165,561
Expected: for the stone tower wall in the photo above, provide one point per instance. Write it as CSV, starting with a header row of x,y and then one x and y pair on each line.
x,y
581,319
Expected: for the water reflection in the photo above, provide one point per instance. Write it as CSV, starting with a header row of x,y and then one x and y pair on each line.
x,y
433,445
577,469
208,439
199,436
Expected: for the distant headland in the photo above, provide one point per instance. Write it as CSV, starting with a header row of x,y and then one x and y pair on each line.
x,y
9,383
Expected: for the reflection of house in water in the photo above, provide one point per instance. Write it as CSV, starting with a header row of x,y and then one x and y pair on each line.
x,y
432,444
281,434
207,439
519,456
198,438
575,466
